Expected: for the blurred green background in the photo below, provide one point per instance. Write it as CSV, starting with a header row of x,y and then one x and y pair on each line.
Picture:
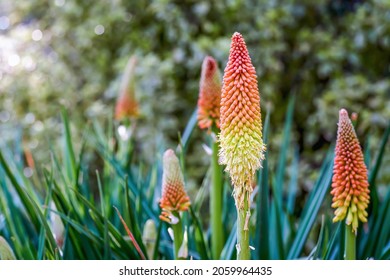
x,y
331,54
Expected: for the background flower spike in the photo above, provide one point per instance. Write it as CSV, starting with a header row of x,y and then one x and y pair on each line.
x,y
127,105
209,101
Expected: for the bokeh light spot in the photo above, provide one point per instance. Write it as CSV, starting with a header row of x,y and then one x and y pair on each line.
x,y
28,172
29,118
124,132
37,35
99,29
13,60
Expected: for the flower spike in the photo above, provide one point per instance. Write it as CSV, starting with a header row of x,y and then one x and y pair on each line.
x,y
209,101
241,142
349,183
127,105
174,197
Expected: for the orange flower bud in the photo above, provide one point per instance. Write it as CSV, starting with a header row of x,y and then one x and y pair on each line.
x,y
127,105
209,101
349,183
174,197
241,139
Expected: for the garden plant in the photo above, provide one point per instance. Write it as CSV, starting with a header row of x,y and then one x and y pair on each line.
x,y
104,200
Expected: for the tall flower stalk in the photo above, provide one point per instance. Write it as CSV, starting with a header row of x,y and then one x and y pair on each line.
x,y
174,200
209,104
241,142
126,110
349,183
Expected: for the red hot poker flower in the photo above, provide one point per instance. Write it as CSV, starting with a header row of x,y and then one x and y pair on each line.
x,y
209,101
241,138
127,105
174,197
349,183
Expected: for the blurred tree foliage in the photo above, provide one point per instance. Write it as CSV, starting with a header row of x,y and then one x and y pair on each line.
x,y
332,54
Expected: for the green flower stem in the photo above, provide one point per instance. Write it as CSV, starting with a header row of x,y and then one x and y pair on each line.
x,y
350,244
243,215
216,189
177,236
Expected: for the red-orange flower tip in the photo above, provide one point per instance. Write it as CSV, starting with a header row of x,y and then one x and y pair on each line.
x,y
127,105
354,116
209,101
349,183
174,197
240,139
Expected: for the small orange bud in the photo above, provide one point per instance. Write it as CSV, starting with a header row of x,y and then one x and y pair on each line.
x,y
354,116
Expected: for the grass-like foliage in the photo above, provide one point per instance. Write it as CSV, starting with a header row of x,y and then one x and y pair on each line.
x,y
97,209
